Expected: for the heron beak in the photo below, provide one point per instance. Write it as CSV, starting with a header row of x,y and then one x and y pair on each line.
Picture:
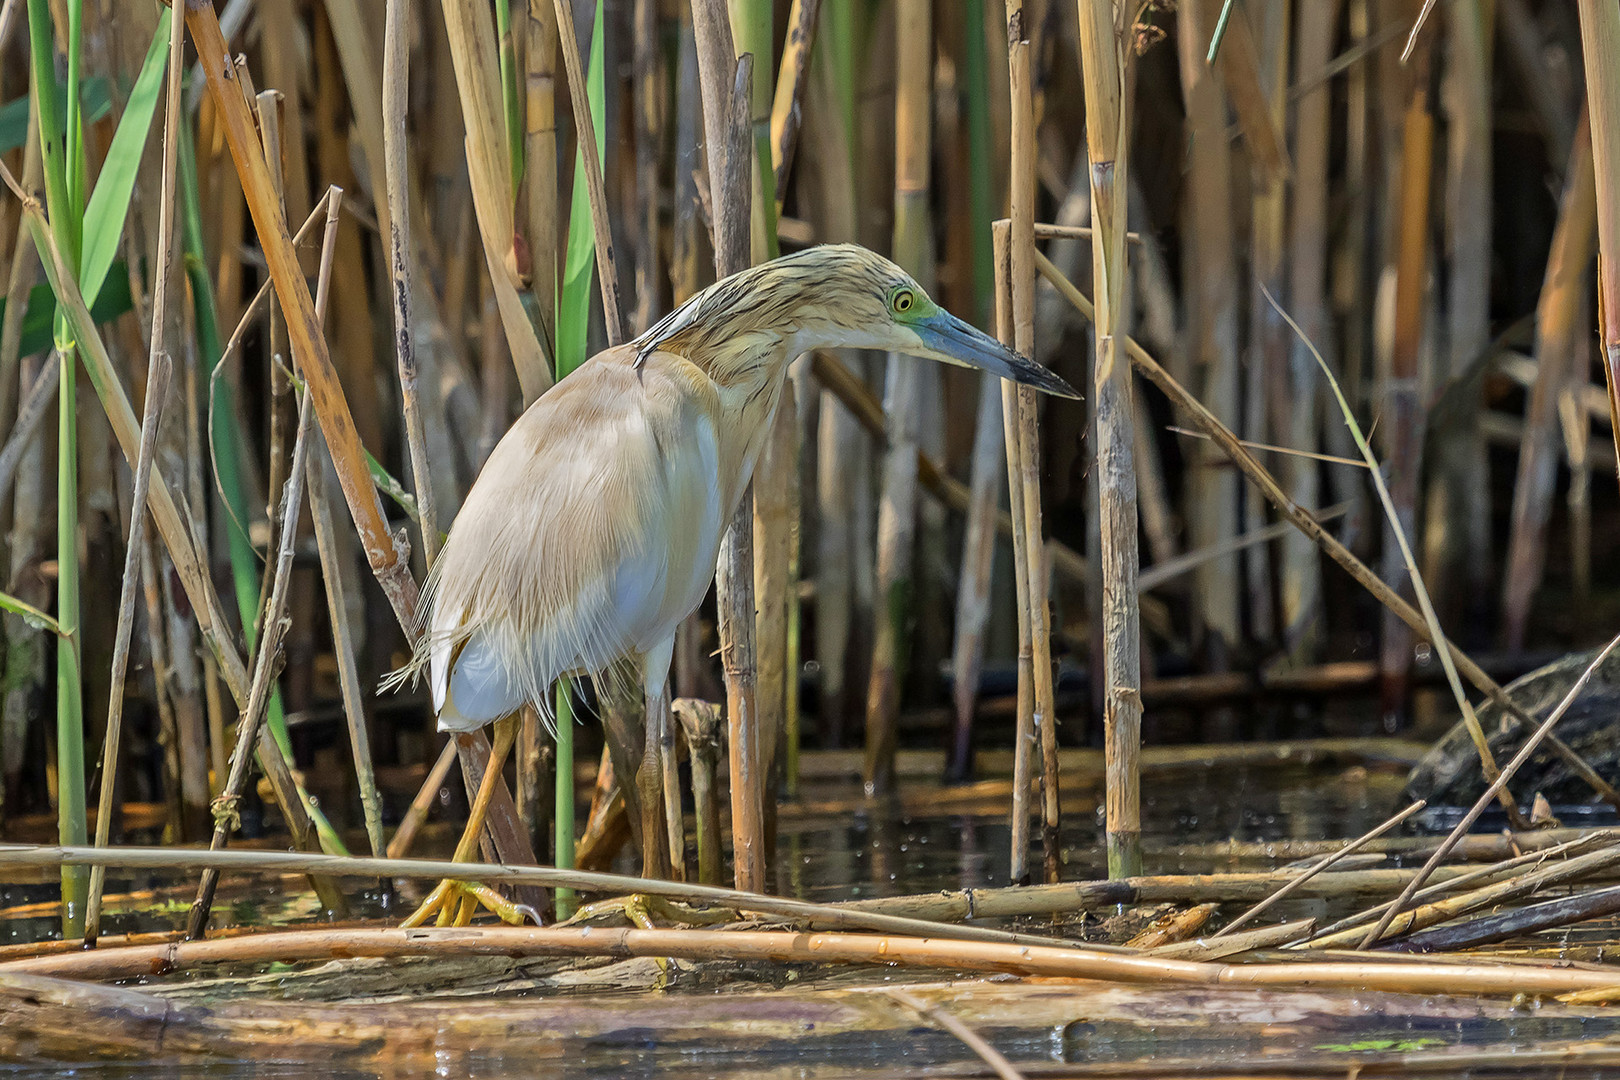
x,y
947,338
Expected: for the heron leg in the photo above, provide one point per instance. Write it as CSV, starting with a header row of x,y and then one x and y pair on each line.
x,y
662,845
455,902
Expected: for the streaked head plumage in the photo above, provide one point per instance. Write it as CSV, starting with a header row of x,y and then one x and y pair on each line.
x,y
828,296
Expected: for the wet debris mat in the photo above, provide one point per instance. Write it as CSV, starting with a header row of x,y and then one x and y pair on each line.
x,y
551,1017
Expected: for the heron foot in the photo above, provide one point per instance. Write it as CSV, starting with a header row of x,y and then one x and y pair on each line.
x,y
454,903
639,910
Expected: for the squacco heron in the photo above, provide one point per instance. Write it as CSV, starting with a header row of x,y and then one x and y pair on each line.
x,y
594,526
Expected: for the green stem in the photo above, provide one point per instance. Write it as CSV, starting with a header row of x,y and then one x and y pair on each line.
x,y
63,156
509,88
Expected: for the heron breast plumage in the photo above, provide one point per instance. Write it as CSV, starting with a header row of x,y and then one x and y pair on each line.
x,y
591,532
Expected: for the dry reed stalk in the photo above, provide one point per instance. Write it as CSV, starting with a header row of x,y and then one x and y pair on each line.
x,y
1102,26
1403,419
334,574
227,814
1457,538
725,79
904,398
839,917
1412,976
19,280
383,553
1498,785
1267,347
701,723
773,583
1300,571
540,159
787,107
1212,330
1024,732
476,56
649,107
1320,865
1545,874
401,254
1600,43
282,408
842,452
1557,313
1246,87
30,414
1302,519
607,274
1173,928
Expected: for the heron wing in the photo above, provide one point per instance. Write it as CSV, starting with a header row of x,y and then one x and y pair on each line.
x,y
590,529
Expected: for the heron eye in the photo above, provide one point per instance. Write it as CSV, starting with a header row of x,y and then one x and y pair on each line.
x,y
903,300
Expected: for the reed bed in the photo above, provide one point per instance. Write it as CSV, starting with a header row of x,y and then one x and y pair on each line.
x,y
1332,301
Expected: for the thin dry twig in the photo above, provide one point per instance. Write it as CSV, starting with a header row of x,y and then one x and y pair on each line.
x,y
971,1039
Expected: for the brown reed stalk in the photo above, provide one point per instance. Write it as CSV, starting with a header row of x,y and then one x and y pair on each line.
x,y
773,536
1300,569
1268,339
1600,43
1024,732
701,723
1411,976
1211,301
476,56
1403,420
309,348
1102,26
1558,311
787,108
1457,537
540,160
726,80
335,568
649,98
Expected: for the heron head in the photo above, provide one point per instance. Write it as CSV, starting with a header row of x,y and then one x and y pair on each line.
x,y
870,303
830,296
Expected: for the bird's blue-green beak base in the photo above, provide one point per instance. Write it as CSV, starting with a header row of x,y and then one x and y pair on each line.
x,y
950,339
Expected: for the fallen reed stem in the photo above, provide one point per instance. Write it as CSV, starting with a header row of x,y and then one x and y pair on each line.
x,y
1490,793
1409,976
1320,865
